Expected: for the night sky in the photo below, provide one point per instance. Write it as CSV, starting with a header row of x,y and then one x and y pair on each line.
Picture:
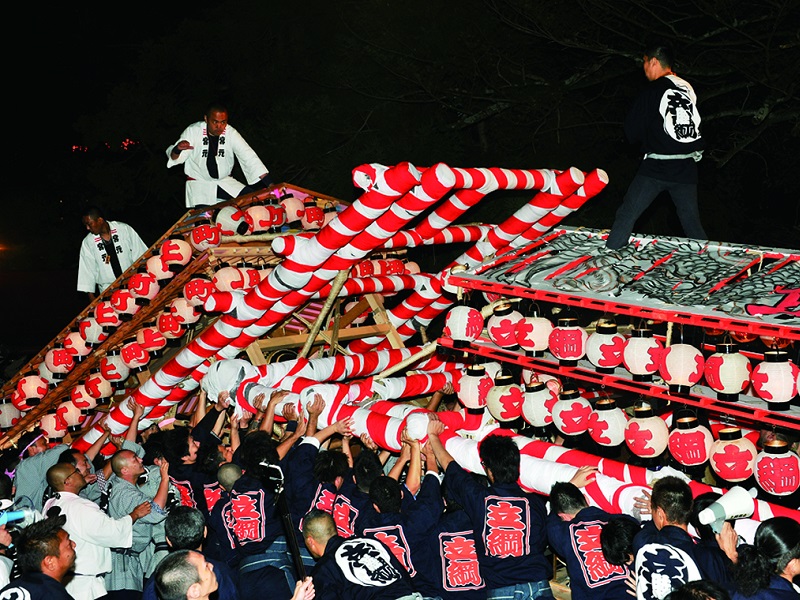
x,y
68,59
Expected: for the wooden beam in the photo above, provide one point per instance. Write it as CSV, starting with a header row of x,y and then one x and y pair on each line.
x,y
379,315
344,335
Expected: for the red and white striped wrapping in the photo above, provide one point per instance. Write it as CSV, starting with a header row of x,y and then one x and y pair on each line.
x,y
388,284
456,234
395,181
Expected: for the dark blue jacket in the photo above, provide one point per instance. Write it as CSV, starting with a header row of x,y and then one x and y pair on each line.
x,y
509,526
578,543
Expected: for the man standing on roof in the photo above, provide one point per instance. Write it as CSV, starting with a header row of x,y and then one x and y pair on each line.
x,y
665,123
207,150
107,251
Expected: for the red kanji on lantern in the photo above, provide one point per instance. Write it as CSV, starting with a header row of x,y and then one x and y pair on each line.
x,y
777,469
732,455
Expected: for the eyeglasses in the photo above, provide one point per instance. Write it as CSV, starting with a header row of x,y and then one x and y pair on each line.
x,y
71,474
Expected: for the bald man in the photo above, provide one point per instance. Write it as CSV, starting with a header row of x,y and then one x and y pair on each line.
x,y
93,531
126,579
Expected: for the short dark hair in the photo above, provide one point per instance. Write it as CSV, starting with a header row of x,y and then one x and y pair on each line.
x,y
216,107
366,468
38,540
174,575
175,444
500,454
93,212
184,528
257,447
674,496
386,494
319,525
663,53
565,497
329,465
703,589
616,539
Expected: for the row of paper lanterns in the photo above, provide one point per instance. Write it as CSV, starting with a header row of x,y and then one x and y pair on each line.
x,y
775,379
541,402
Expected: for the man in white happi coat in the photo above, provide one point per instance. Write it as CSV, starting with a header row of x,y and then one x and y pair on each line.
x,y
208,150
106,252
93,532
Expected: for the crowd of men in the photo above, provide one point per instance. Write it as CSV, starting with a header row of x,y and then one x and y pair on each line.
x,y
232,507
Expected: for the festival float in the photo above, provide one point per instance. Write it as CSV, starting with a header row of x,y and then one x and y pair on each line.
x,y
670,354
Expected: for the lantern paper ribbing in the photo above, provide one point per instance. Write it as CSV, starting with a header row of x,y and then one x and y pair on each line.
x,y
775,379
604,348
472,387
646,434
690,442
681,367
501,326
727,372
504,399
733,456
607,423
567,342
642,354
463,325
533,334
537,408
572,412
777,469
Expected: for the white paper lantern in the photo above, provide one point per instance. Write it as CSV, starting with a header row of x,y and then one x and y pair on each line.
x,y
92,331
277,215
232,221
82,399
124,302
727,372
777,469
205,236
31,388
143,286
70,414
169,326
775,379
571,413
604,347
158,268
151,339
567,342
733,456
134,356
690,442
293,207
502,325
533,334
76,345
98,387
607,423
471,388
106,316
59,361
228,278
260,217
463,325
53,427
184,311
313,217
47,374
114,368
9,414
537,407
681,367
504,399
646,434
642,354
198,289
176,253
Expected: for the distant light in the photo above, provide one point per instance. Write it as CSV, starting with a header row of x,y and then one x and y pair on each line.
x,y
78,148
128,144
